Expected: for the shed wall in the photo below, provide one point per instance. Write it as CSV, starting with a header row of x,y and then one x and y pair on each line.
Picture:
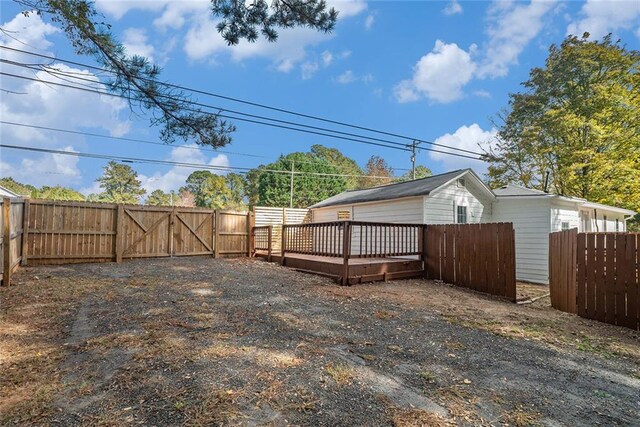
x,y
440,207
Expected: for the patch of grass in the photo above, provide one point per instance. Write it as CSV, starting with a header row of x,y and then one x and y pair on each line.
x,y
385,315
428,376
341,373
589,346
521,417
215,408
417,417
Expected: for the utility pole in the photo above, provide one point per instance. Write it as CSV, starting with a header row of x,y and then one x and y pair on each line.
x,y
291,191
413,147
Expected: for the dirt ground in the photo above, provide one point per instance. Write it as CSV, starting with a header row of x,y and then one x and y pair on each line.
x,y
201,342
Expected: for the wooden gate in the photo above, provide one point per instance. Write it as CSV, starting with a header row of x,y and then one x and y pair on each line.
x,y
562,270
143,232
193,232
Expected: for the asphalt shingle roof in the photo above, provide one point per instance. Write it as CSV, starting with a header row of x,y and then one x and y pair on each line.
x,y
418,187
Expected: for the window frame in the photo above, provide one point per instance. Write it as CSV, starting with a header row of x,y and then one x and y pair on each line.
x,y
562,225
458,214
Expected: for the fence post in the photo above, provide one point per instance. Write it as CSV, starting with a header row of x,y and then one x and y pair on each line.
x,y
119,220
6,242
216,233
283,243
425,253
25,231
172,224
346,251
250,236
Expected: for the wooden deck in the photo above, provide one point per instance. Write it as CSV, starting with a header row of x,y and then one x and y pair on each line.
x,y
359,269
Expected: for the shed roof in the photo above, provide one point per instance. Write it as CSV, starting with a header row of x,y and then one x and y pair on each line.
x,y
5,192
416,187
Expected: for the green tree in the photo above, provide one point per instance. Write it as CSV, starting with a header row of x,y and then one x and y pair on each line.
x,y
60,193
18,187
344,164
237,185
136,78
120,184
274,189
421,172
209,190
376,172
158,198
578,120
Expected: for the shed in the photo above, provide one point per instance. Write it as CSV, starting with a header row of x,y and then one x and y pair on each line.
x,y
459,196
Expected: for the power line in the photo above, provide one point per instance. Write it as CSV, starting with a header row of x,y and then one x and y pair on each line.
x,y
180,164
255,104
402,148
142,141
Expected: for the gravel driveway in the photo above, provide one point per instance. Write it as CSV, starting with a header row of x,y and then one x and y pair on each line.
x,y
200,341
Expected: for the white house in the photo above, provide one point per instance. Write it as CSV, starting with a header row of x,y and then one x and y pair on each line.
x,y
462,197
458,196
535,214
5,192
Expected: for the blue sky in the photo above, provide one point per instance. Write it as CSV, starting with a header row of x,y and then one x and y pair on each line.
x,y
438,71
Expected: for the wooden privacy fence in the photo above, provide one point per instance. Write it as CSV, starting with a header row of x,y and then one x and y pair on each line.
x,y
12,239
476,256
57,232
598,277
277,217
562,270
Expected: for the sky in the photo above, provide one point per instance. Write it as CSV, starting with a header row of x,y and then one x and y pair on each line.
x,y
431,70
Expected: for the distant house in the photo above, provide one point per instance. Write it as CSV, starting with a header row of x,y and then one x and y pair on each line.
x,y
5,192
535,214
462,197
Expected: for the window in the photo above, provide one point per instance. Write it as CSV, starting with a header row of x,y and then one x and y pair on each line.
x,y
565,225
344,215
461,212
617,225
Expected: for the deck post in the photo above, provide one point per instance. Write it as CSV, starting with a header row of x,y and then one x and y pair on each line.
x,y
250,236
424,249
346,251
6,242
283,244
269,242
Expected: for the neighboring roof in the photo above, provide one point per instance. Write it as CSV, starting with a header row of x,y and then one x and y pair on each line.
x,y
5,192
514,190
416,187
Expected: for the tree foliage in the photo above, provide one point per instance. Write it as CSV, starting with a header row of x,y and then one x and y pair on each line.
x,y
237,185
346,165
136,79
274,189
158,198
421,172
59,193
208,189
120,184
376,172
19,188
578,120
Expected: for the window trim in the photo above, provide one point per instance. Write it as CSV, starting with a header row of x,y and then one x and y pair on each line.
x,y
562,225
466,214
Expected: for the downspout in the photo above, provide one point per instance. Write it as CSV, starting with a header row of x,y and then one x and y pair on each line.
x,y
595,219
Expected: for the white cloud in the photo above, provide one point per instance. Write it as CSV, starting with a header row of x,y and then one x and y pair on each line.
x,y
309,69
512,25
178,13
439,76
348,8
601,17
43,169
482,93
177,175
369,21
453,8
466,138
346,77
118,8
327,58
136,43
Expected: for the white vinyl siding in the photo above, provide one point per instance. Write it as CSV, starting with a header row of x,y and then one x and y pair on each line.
x,y
409,210
531,221
564,212
441,206
610,227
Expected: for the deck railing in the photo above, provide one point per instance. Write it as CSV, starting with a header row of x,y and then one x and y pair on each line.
x,y
262,239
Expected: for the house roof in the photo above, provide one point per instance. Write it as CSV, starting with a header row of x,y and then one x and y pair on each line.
x,y
514,190
416,187
5,192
